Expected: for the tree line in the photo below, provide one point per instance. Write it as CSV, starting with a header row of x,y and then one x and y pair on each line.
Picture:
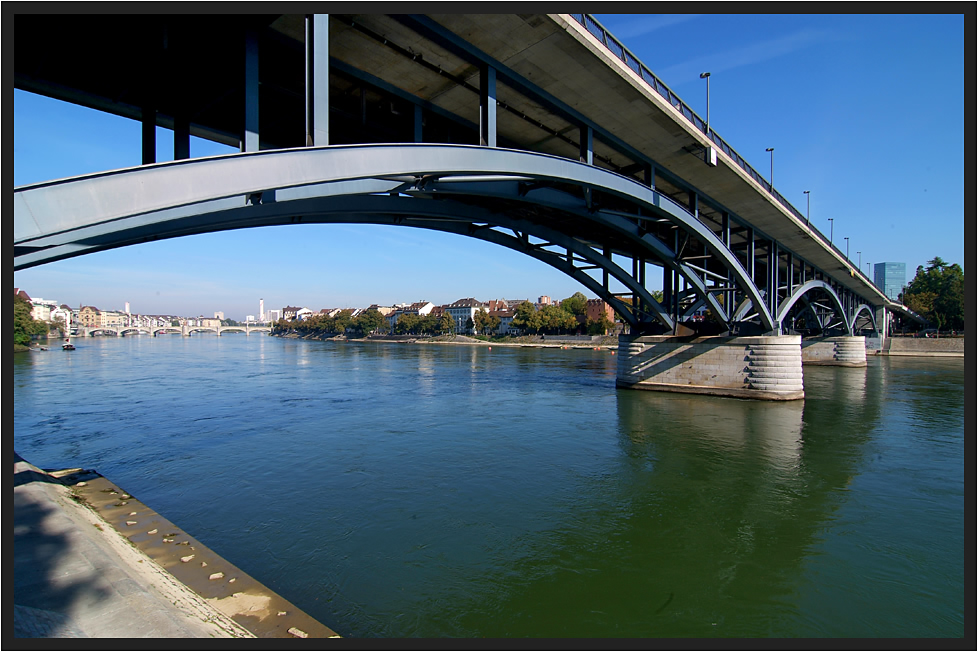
x,y
570,316
367,322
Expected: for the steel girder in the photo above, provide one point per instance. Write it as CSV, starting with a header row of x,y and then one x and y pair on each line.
x,y
557,200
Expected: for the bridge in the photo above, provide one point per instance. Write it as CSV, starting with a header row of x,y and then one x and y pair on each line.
x,y
541,133
184,330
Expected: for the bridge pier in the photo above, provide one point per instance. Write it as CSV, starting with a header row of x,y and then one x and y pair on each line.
x,y
761,367
835,351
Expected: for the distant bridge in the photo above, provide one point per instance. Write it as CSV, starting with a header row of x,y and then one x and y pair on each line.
x,y
186,331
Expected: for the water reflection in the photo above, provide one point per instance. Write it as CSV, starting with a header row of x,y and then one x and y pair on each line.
x,y
769,430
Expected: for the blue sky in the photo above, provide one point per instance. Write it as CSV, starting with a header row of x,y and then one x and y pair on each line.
x,y
865,111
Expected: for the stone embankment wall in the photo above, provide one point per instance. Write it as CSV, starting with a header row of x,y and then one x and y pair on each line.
x,y
764,367
925,346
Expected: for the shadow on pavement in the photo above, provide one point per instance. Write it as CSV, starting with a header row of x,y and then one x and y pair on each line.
x,y
49,580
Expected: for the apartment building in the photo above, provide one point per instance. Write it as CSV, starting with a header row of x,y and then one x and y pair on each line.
x,y
462,311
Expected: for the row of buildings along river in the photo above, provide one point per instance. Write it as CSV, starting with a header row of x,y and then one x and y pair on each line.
x,y
462,312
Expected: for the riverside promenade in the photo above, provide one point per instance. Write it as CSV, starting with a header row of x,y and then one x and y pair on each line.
x,y
77,576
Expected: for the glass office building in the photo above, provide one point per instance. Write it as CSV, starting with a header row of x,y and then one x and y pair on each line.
x,y
891,278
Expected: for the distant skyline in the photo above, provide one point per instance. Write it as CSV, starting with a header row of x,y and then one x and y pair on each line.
x,y
864,111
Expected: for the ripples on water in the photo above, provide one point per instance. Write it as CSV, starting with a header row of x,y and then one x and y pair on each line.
x,y
397,490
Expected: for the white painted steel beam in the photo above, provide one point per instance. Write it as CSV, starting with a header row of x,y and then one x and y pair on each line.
x,y
63,218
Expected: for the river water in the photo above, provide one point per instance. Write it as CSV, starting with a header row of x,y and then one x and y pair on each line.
x,y
425,490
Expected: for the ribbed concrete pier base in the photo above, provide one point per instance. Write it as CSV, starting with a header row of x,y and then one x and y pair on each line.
x,y
762,367
834,351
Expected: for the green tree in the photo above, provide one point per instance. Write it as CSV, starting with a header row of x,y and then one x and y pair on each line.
x,y
554,319
526,318
446,324
23,322
486,323
25,326
342,320
601,326
575,304
407,323
937,293
369,321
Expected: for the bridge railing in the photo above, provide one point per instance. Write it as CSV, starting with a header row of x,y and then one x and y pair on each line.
x,y
616,48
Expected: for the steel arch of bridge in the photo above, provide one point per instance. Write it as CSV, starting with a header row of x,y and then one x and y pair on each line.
x,y
861,308
807,288
845,317
573,216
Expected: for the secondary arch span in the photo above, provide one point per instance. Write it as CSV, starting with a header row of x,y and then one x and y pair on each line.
x,y
576,217
805,289
870,314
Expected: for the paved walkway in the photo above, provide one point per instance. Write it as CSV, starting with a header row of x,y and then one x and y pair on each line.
x,y
76,578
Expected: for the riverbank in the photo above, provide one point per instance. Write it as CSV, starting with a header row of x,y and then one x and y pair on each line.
x,y
899,346
93,561
609,342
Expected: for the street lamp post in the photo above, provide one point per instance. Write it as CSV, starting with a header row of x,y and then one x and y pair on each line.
x,y
860,254
808,214
831,228
706,76
847,247
771,149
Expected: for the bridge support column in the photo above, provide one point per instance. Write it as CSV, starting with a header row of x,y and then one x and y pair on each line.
x,y
487,106
835,351
317,80
249,140
148,130
762,367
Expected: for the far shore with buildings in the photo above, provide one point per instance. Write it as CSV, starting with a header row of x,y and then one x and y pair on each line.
x,y
462,312
889,277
